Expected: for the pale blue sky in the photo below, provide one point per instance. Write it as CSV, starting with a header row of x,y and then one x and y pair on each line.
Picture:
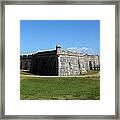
x,y
45,34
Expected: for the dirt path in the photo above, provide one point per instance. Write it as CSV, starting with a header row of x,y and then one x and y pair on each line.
x,y
93,75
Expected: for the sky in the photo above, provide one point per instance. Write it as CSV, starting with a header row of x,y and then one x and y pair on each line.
x,y
36,35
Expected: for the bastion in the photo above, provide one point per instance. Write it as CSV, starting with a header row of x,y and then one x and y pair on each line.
x,y
59,62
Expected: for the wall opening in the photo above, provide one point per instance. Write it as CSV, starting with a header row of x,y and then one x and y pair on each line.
x,y
90,65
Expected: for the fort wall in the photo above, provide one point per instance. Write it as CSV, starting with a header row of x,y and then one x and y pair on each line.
x,y
25,61
73,63
59,62
44,63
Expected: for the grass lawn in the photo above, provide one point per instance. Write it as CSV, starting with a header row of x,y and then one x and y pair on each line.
x,y
60,88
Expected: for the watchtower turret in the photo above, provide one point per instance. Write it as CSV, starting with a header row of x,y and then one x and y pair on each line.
x,y
58,49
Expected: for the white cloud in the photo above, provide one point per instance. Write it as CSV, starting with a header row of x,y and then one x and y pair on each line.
x,y
72,48
84,50
44,50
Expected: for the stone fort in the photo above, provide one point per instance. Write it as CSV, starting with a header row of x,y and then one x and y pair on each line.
x,y
59,62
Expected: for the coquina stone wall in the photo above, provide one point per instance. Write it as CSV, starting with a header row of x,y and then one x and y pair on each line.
x,y
45,63
73,63
25,61
68,65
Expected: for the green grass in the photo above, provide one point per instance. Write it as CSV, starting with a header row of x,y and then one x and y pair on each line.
x,y
60,88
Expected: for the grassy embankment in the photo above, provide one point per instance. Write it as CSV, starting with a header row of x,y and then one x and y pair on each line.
x,y
60,88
